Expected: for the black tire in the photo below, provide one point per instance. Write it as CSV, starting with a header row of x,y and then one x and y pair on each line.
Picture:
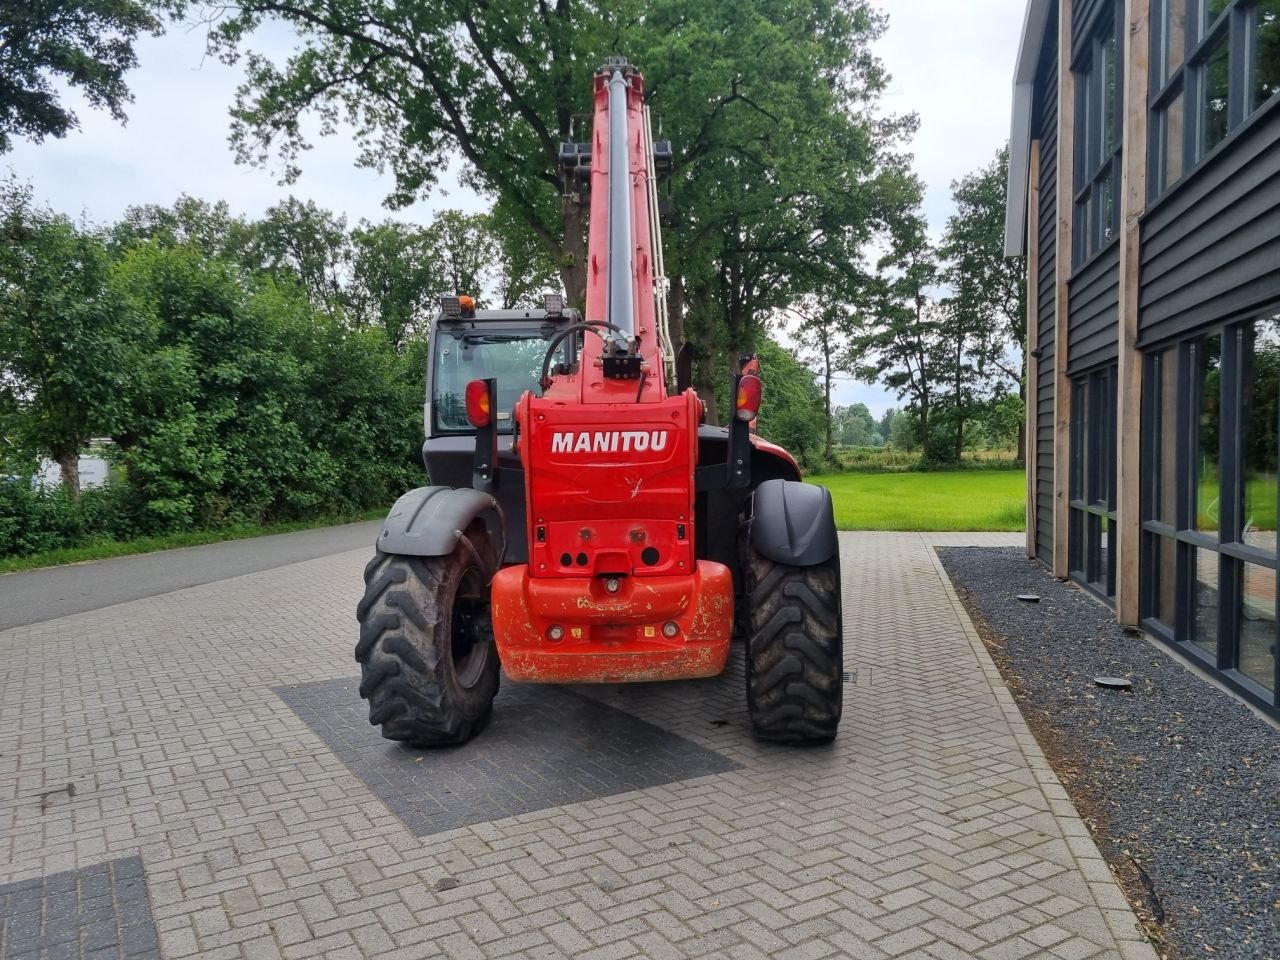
x,y
428,664
795,658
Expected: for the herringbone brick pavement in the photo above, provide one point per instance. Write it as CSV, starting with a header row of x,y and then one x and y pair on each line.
x,y
153,729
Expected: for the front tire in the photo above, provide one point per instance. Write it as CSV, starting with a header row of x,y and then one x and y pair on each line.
x,y
795,658
428,663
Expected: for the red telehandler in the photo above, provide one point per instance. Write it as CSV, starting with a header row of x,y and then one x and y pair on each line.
x,y
583,524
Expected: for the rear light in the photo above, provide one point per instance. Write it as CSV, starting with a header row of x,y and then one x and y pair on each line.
x,y
748,401
478,411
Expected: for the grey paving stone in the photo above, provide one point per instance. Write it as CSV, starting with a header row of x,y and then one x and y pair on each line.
x,y
660,826
545,747
79,914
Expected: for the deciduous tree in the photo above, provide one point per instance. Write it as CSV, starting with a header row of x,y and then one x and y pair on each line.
x,y
84,44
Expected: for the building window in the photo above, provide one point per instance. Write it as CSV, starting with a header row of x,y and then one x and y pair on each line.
x,y
1091,534
1099,78
1263,45
1213,63
1210,497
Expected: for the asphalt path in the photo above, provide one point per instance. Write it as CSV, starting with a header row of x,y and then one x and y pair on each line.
x,y
39,595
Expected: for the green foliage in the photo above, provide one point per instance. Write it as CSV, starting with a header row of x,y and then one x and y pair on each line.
x,y
83,44
782,151
945,327
789,404
34,520
62,334
855,427
231,391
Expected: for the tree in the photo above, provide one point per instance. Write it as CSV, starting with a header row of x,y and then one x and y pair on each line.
x,y
498,84
886,423
524,269
822,333
62,334
303,241
900,336
395,278
85,44
210,227
770,103
855,426
465,251
788,402
988,296
780,167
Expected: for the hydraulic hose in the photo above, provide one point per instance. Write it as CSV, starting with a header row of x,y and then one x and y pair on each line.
x,y
585,325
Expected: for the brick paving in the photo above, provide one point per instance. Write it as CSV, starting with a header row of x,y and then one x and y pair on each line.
x,y
198,734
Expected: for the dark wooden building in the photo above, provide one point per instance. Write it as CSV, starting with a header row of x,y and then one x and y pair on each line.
x,y
1144,189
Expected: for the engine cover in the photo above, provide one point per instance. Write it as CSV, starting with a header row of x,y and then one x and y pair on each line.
x,y
609,487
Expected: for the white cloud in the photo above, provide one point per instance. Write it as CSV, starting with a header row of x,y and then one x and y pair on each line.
x,y
951,62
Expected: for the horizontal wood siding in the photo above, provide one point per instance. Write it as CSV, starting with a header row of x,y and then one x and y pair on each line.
x,y
1046,129
1094,324
1082,17
1211,247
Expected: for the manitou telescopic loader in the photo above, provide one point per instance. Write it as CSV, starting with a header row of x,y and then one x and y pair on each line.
x,y
583,525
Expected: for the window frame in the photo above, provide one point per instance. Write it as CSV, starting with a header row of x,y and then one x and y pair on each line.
x,y
1235,27
1231,552
1093,480
1094,163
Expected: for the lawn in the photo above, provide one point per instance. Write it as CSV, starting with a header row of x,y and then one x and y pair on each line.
x,y
955,500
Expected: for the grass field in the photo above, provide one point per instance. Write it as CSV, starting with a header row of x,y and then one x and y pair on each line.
x,y
957,500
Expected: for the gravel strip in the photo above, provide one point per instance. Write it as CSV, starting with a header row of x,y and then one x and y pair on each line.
x,y
1179,782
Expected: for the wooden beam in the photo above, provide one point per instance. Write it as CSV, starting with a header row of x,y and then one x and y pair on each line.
x,y
1033,339
1062,272
1133,202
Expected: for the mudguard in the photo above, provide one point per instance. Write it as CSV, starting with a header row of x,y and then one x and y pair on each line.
x,y
793,523
429,521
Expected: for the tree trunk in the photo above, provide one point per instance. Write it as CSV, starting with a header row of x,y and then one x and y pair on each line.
x,y
69,465
959,402
705,365
675,310
826,376
924,428
573,256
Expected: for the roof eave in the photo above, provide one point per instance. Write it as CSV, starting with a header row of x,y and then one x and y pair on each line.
x,y
1033,26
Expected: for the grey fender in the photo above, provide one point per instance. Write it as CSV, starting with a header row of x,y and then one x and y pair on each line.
x,y
793,523
429,521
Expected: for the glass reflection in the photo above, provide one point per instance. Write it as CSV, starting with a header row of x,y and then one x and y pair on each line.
x,y
1209,425
1266,52
1257,619
1164,569
1175,40
1204,610
1171,141
1260,392
1215,88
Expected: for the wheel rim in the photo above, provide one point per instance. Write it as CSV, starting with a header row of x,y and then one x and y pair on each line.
x,y
470,630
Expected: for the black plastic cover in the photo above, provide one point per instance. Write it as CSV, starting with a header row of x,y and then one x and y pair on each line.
x,y
429,521
793,523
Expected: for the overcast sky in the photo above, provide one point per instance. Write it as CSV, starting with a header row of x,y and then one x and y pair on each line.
x,y
951,62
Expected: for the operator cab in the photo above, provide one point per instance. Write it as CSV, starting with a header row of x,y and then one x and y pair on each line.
x,y
509,346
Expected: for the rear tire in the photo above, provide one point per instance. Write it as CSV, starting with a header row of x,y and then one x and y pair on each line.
x,y
795,659
428,663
